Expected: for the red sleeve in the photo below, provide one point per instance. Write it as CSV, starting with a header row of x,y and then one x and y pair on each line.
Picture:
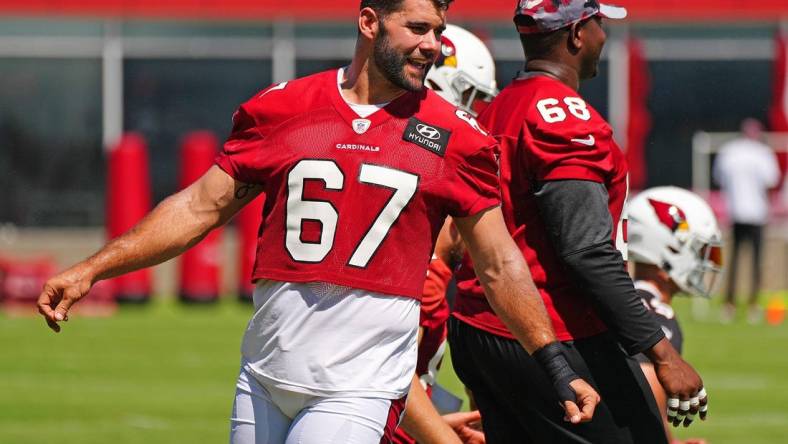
x,y
241,148
433,300
252,122
577,146
475,185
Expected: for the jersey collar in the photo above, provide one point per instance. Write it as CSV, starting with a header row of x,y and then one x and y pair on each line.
x,y
402,107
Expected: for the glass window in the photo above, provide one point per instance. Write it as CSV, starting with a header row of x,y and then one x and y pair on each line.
x,y
595,91
51,161
308,67
196,28
506,71
166,99
38,27
689,96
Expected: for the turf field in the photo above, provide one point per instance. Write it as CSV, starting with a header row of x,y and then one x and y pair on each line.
x,y
165,374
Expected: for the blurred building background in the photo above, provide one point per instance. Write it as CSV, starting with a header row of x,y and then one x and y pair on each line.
x,y
75,75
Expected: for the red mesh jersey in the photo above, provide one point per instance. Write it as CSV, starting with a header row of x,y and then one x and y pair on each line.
x,y
433,317
434,314
357,202
546,132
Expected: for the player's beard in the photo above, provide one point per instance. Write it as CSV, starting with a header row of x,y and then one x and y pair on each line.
x,y
391,64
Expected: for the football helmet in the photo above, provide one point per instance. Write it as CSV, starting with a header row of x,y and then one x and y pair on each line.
x,y
677,231
464,73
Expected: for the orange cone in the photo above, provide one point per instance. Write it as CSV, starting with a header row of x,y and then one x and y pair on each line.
x,y
775,311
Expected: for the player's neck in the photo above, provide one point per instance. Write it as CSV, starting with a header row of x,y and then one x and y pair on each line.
x,y
560,71
363,85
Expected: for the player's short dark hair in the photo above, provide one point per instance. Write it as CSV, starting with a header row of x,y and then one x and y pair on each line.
x,y
538,46
386,7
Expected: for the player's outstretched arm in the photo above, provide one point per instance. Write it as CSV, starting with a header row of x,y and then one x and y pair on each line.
x,y
177,223
507,282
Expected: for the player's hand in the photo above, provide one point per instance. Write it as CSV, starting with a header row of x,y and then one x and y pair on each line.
x,y
682,384
576,397
467,425
60,293
684,410
586,400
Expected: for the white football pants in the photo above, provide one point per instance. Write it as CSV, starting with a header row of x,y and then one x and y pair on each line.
x,y
263,414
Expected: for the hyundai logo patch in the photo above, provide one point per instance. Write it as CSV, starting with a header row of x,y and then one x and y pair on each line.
x,y
430,137
428,131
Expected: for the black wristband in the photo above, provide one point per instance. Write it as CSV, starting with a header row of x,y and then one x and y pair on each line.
x,y
551,358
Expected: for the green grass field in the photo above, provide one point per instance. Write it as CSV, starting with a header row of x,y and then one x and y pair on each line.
x,y
165,374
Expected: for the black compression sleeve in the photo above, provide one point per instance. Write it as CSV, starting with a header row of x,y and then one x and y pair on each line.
x,y
580,228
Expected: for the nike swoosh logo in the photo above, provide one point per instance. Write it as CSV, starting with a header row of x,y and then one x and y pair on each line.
x,y
275,88
533,3
588,141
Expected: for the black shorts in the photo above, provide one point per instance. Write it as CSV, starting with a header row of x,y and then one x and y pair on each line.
x,y
518,404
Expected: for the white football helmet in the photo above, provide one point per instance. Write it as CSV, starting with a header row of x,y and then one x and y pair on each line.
x,y
464,73
676,230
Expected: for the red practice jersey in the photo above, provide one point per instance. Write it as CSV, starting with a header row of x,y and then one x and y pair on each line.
x,y
546,132
353,201
434,315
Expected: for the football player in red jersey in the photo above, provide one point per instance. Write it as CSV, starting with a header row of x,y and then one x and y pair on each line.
x,y
675,246
464,74
564,183
360,167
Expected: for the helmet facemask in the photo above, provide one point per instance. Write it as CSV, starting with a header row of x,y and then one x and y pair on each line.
x,y
696,265
464,71
677,231
472,96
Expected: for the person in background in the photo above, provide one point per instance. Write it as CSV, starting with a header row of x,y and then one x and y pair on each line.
x,y
675,247
464,75
745,170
